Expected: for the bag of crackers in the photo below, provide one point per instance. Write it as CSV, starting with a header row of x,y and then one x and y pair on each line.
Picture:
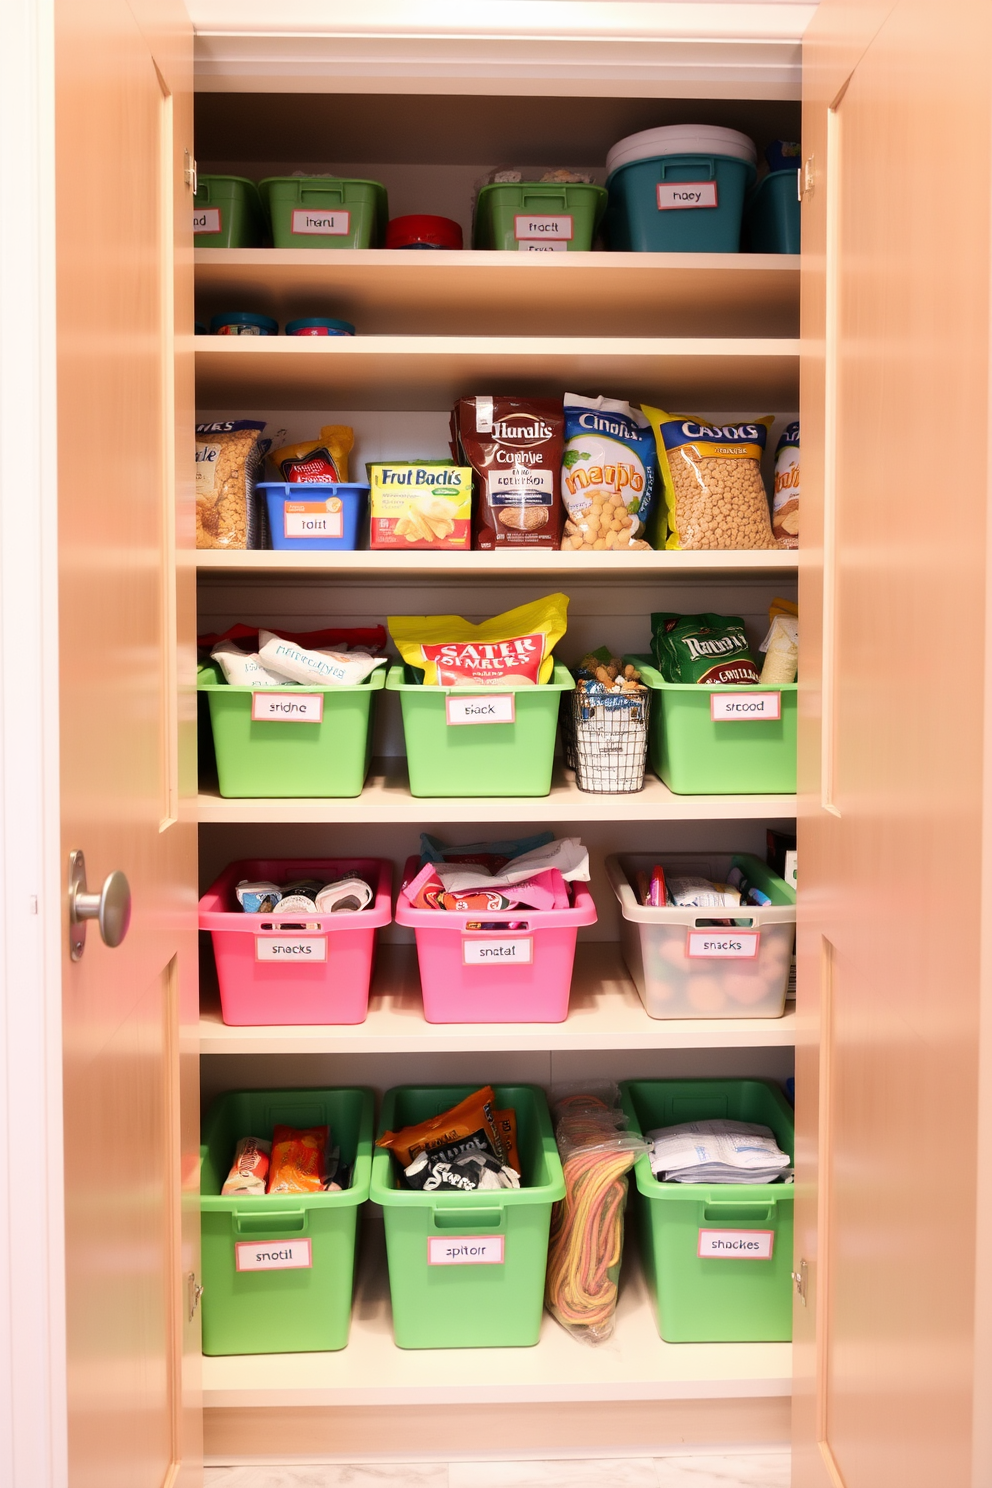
x,y
229,455
714,492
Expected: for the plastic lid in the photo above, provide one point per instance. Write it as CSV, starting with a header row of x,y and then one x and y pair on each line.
x,y
681,139
265,323
420,227
298,489
320,323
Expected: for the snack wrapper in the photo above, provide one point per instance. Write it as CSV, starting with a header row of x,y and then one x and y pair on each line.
x,y
258,898
509,650
702,648
250,1167
475,1116
242,668
317,668
299,1159
316,460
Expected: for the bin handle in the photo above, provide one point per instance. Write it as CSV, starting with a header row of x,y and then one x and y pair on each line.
x,y
722,1209
707,920
325,193
468,1221
707,168
542,198
279,1221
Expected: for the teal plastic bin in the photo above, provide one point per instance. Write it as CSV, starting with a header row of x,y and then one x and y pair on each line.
x,y
325,211
679,189
773,214
712,1297
479,759
538,217
696,754
227,213
278,1270
466,1270
257,757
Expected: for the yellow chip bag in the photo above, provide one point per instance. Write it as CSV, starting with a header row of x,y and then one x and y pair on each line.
x,y
324,459
510,650
714,493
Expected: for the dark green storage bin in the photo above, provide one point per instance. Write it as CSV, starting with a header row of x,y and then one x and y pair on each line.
x,y
538,216
297,1308
324,211
773,214
725,1299
227,213
476,1304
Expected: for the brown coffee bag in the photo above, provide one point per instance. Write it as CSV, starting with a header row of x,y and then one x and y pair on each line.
x,y
514,446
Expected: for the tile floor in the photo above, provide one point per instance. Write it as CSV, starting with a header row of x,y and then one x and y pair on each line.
x,y
742,1470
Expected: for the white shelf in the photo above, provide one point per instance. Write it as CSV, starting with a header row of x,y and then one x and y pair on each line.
x,y
634,1365
589,567
605,1012
386,798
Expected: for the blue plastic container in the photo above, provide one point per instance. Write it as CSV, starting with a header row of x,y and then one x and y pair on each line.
x,y
679,189
315,517
773,213
243,323
319,325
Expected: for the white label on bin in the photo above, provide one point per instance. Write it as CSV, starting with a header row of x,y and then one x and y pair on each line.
x,y
313,223
745,707
736,1245
206,219
291,948
540,227
465,1250
313,518
674,196
282,707
477,951
272,1255
723,945
529,245
498,709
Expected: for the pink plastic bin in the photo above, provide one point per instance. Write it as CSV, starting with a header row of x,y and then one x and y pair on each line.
x,y
329,983
496,976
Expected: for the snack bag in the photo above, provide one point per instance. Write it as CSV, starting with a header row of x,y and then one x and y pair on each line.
x,y
714,493
781,644
290,662
702,648
420,504
299,1159
785,497
250,1167
511,649
323,459
228,456
475,1116
514,445
607,474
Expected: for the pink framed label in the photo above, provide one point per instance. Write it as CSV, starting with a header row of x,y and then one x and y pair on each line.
x,y
309,222
206,219
466,1250
497,708
480,950
745,707
537,228
313,518
678,196
272,1255
736,1245
550,245
722,945
287,707
290,949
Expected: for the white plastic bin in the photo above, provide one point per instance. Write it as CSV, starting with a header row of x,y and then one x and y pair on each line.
x,y
685,967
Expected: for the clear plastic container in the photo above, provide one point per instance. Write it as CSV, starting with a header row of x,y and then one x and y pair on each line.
x,y
685,967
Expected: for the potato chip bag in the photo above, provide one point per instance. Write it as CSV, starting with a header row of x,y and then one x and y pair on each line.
x,y
511,649
702,648
299,1159
324,459
475,1114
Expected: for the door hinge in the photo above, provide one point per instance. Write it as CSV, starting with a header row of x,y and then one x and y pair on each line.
x,y
189,171
799,1279
806,178
194,1292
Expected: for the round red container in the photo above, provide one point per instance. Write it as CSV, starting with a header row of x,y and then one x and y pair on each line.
x,y
421,231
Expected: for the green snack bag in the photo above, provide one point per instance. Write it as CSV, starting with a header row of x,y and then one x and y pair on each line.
x,y
702,648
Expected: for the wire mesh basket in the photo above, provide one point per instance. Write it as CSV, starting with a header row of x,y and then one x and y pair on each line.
x,y
608,741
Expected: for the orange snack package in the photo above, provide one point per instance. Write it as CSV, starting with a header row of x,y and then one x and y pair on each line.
x,y
299,1159
476,1113
506,1125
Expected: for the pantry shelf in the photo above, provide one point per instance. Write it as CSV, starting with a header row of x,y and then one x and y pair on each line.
x,y
386,798
636,1365
412,373
395,291
594,567
605,1012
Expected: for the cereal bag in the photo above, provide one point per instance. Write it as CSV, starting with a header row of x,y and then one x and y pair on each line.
x,y
714,493
785,498
228,456
511,649
607,474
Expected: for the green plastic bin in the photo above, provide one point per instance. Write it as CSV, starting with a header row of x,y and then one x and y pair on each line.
x,y
696,755
296,1307
725,1299
442,1295
265,758
484,759
227,213
324,211
538,217
773,219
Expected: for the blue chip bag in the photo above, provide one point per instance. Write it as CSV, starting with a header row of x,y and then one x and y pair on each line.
x,y
607,475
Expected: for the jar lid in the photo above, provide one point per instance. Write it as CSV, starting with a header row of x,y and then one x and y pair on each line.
x,y
681,139
422,228
319,325
266,325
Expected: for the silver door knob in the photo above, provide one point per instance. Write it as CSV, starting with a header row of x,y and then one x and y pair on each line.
x,y
111,908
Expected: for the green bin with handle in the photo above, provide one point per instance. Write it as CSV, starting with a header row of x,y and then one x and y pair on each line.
x,y
227,213
325,211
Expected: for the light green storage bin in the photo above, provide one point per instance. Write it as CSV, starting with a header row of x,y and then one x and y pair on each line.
x,y
534,216
262,758
300,208
696,756
484,759
491,1303
227,213
720,1299
300,1309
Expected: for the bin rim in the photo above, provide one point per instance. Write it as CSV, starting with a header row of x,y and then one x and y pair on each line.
x,y
382,1191
561,681
226,176
677,914
653,679
666,140
235,921
374,682
301,486
349,1198
583,912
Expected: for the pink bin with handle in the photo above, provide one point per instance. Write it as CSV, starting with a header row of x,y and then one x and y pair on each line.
x,y
296,968
518,969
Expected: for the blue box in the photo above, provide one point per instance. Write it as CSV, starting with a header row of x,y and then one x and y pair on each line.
x,y
317,516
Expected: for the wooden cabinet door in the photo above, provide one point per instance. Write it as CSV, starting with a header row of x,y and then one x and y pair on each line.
x,y
122,210
894,695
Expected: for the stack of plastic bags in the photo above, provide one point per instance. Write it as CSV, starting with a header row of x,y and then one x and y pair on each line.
x,y
718,1151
